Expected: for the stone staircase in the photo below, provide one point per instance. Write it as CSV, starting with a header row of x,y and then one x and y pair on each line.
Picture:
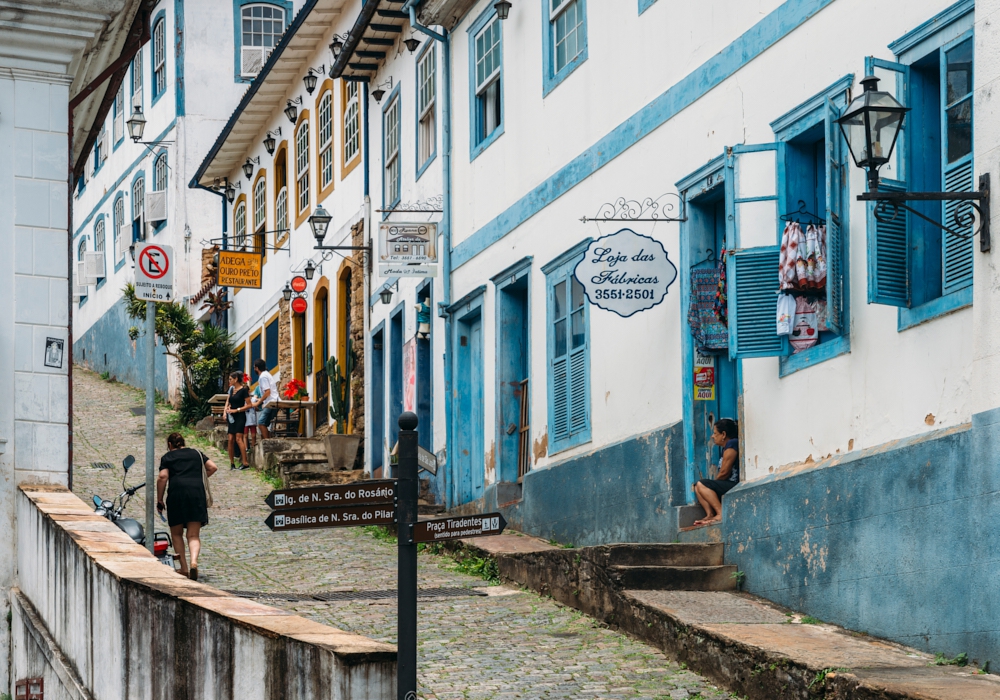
x,y
666,567
426,505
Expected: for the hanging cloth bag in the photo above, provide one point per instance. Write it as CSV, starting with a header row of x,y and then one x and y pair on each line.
x,y
204,480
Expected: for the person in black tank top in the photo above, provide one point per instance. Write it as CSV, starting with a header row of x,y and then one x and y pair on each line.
x,y
186,502
725,434
236,409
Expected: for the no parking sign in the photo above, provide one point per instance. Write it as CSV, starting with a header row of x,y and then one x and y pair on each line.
x,y
154,273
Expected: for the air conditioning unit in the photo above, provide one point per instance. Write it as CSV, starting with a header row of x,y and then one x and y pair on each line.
x,y
93,267
79,283
253,59
156,206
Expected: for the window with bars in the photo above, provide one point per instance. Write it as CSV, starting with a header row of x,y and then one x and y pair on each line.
x,y
159,58
138,205
160,173
426,106
302,166
325,138
568,354
261,27
352,121
260,216
240,226
488,51
390,135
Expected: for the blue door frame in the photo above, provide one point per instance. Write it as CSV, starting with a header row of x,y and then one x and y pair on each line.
x,y
377,404
513,353
396,341
468,470
704,231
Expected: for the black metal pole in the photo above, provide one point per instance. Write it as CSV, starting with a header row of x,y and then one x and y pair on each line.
x,y
406,600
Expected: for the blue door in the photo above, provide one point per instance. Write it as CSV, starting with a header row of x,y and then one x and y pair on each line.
x,y
469,423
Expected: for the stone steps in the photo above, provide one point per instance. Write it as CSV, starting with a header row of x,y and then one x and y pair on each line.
x,y
673,578
671,554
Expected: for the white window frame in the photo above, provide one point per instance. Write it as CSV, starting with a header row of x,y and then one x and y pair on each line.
x,y
160,57
426,106
160,173
325,138
302,167
352,121
281,214
137,78
481,138
247,50
139,204
240,226
392,173
554,15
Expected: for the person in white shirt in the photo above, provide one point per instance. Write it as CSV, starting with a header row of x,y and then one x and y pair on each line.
x,y
268,397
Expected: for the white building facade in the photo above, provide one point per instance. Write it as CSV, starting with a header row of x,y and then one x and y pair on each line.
x,y
198,61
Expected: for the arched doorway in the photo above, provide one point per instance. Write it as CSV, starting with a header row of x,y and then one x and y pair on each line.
x,y
344,348
321,351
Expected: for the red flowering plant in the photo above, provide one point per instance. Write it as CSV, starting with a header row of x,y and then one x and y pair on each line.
x,y
296,390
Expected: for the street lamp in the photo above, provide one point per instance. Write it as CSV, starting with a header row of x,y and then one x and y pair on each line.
x,y
319,222
503,8
136,124
286,292
412,43
230,191
310,78
379,92
386,296
336,46
248,166
871,125
269,141
310,269
291,111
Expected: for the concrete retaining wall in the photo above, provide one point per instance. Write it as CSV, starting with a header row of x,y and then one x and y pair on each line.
x,y
897,541
95,607
623,492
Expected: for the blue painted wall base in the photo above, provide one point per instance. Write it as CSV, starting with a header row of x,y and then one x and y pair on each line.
x,y
619,493
106,347
897,541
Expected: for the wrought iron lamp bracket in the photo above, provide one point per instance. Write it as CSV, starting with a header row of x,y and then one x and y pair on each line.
x,y
665,208
365,251
961,216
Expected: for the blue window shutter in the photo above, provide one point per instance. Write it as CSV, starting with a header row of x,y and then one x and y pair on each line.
x,y
753,303
560,400
578,389
835,253
956,255
888,241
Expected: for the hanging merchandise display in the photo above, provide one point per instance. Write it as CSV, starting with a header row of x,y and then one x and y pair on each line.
x,y
708,331
802,261
722,295
810,319
786,313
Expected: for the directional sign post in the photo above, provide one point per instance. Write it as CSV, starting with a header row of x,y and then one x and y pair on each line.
x,y
384,502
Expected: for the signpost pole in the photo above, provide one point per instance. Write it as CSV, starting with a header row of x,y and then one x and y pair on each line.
x,y
150,418
406,637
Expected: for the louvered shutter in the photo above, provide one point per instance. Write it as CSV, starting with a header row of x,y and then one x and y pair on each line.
x,y
753,303
156,206
124,240
835,253
560,399
80,281
93,269
956,254
888,241
578,389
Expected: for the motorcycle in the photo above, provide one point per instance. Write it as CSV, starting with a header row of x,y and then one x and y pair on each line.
x,y
112,510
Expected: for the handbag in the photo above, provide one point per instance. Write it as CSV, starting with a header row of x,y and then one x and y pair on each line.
x,y
204,480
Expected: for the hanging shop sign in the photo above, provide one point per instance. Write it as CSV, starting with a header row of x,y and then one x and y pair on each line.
x,y
704,377
407,243
626,272
240,269
299,305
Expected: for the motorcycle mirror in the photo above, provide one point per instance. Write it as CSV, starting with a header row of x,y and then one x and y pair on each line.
x,y
107,505
128,462
97,501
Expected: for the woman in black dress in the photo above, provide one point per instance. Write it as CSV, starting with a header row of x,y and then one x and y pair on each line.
x,y
187,504
236,409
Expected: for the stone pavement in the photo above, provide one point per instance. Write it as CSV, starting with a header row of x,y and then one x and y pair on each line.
x,y
509,643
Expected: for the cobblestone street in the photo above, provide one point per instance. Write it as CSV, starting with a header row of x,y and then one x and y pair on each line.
x,y
495,642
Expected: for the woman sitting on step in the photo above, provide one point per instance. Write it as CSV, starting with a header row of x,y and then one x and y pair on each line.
x,y
725,434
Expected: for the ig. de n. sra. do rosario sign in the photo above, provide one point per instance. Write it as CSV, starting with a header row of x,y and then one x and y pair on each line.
x,y
626,272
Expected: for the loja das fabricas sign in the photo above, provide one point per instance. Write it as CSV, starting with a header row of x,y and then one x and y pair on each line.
x,y
626,272
239,269
407,243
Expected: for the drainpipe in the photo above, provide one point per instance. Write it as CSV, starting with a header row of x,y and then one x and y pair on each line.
x,y
445,302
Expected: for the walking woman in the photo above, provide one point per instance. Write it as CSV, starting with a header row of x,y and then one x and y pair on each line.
x,y
187,501
236,409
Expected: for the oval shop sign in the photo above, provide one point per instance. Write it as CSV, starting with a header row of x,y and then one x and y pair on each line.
x,y
626,272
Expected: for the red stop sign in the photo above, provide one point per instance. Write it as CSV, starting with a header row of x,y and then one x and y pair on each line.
x,y
299,305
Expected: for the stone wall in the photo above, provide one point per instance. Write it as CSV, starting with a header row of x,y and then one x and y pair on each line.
x,y
284,345
357,312
98,617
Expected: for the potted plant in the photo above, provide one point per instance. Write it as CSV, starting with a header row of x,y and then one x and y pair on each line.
x,y
296,390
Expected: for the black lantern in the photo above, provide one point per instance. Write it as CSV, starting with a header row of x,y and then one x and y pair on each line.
x,y
248,168
412,43
230,192
503,8
310,269
319,222
136,124
871,126
286,292
269,141
291,111
378,94
386,296
310,81
336,46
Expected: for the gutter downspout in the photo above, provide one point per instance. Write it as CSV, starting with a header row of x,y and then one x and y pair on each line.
x,y
445,302
366,276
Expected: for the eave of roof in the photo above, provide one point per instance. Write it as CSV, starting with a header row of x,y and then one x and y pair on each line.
x,y
357,60
267,90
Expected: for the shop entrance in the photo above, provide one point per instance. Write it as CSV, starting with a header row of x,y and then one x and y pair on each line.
x,y
712,379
